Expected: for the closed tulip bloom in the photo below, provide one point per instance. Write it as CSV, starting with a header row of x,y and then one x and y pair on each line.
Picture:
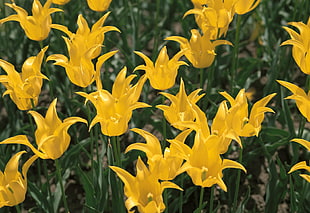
x,y
165,165
13,184
180,109
301,44
203,162
245,6
60,2
37,26
143,191
25,87
88,40
300,96
303,164
114,110
163,73
99,5
199,50
51,135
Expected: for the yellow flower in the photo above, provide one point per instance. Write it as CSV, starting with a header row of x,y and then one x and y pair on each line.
x,y
60,2
301,44
37,26
114,110
214,18
203,161
302,165
13,184
99,5
87,40
51,135
166,166
244,6
162,75
299,95
143,191
199,50
26,86
80,68
180,109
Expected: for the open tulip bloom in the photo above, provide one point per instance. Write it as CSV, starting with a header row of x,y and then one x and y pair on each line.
x,y
165,165
199,50
163,73
51,135
301,44
37,26
303,164
180,109
13,184
143,191
114,110
300,96
24,88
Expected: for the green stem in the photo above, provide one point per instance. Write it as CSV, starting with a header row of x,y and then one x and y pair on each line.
x,y
181,195
116,151
59,176
237,184
50,83
156,36
17,207
201,79
211,199
48,186
235,55
201,198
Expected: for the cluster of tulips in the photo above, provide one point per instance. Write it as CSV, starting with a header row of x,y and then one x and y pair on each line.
x,y
202,161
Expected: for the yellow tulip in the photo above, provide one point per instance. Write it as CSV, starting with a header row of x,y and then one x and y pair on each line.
x,y
244,6
301,44
203,162
166,166
80,68
99,5
199,50
51,135
37,26
24,87
60,2
180,109
299,95
303,164
114,110
162,75
13,184
88,41
213,19
143,191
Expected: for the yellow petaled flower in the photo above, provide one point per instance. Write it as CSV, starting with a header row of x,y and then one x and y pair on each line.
x,y
303,164
89,41
114,110
180,109
244,6
99,5
162,75
143,191
166,166
214,17
51,135
199,50
13,184
300,96
80,68
37,26
301,44
24,87
237,115
203,161
60,2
